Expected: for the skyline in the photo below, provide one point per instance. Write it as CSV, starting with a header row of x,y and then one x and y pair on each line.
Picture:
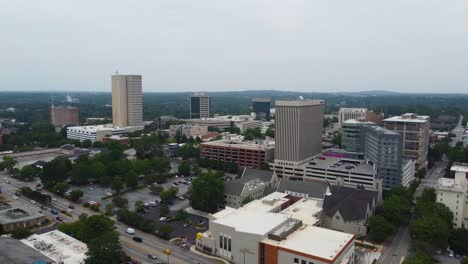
x,y
313,46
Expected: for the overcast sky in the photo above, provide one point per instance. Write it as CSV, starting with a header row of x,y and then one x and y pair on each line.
x,y
218,45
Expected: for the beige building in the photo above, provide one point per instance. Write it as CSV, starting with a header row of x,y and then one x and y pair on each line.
x,y
189,131
127,100
351,113
452,192
298,130
415,131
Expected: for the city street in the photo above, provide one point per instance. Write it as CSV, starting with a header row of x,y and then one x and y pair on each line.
x,y
138,251
458,131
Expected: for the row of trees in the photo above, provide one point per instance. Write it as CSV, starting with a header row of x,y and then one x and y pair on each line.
x,y
207,191
100,235
391,214
230,167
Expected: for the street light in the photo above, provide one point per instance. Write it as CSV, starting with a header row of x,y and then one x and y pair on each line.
x,y
168,253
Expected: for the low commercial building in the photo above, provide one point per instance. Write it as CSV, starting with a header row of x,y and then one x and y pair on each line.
x,y
452,192
244,153
275,229
16,215
118,139
64,115
221,124
58,246
250,186
189,131
14,251
248,124
98,132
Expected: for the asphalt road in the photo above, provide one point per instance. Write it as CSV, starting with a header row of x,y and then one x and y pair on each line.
x,y
458,131
138,251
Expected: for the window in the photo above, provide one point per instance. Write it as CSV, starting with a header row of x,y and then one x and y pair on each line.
x,y
220,241
296,260
303,262
225,242
229,244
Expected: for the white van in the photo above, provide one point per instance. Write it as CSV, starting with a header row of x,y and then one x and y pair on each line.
x,y
130,231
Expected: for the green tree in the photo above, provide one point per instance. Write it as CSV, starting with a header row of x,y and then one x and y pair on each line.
x,y
105,248
207,192
336,138
380,228
156,189
95,226
187,151
117,184
120,201
28,172
181,215
8,163
21,233
464,260
431,229
169,194
164,210
75,195
55,171
131,179
109,209
184,168
86,143
459,241
270,133
60,188
418,259
165,230
139,206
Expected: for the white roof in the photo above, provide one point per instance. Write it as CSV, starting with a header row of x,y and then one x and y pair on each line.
x,y
415,118
459,166
252,222
351,109
308,210
267,203
315,241
62,247
358,121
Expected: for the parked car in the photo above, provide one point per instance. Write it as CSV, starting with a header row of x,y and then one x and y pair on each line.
x,y
137,239
14,197
130,231
43,207
71,206
162,218
185,225
17,193
33,202
63,211
58,218
109,193
151,256
53,211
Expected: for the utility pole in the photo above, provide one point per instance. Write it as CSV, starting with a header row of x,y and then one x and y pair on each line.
x,y
246,250
168,253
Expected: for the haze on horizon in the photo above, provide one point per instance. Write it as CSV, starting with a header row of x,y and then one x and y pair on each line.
x,y
219,45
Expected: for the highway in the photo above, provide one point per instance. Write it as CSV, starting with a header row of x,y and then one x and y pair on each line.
x,y
137,251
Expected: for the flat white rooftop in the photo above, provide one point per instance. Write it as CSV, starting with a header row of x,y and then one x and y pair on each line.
x,y
308,210
408,117
63,248
267,203
448,184
459,166
252,222
315,241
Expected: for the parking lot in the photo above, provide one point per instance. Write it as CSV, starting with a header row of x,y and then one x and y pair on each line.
x,y
96,192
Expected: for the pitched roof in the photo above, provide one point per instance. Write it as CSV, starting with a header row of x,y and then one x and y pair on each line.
x,y
236,186
233,188
252,174
315,189
352,203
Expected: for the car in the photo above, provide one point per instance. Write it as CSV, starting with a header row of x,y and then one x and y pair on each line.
x,y
63,211
54,199
146,211
38,185
109,193
181,197
162,218
71,206
185,225
14,197
17,193
69,210
33,202
58,218
175,183
130,231
8,182
151,256
43,207
53,211
137,239
91,189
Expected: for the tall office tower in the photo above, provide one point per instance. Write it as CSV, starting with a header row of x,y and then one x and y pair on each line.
x,y
200,106
261,108
127,101
415,131
352,134
64,115
384,148
298,130
351,113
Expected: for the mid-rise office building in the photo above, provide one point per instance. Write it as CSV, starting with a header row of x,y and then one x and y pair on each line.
x,y
98,132
351,113
351,134
452,192
261,108
189,131
244,153
127,100
415,131
200,106
298,128
64,115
